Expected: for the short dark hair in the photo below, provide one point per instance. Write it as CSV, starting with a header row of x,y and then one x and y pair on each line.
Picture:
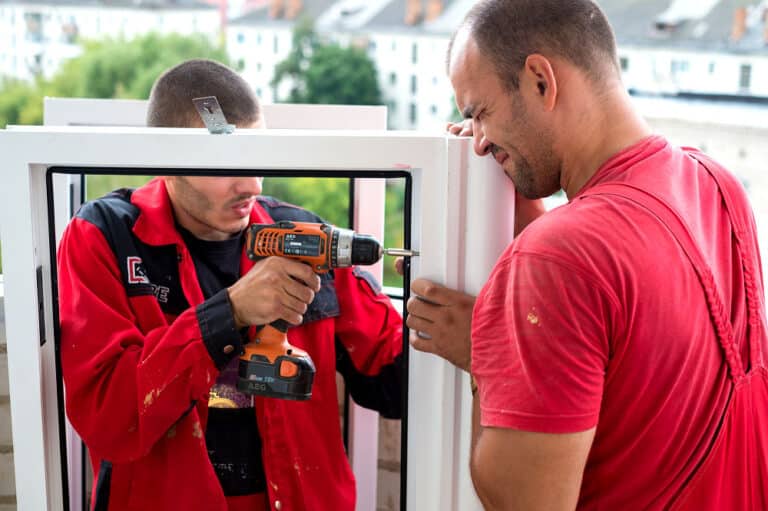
x,y
508,31
170,102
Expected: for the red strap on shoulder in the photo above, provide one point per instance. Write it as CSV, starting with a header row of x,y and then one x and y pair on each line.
x,y
672,220
730,189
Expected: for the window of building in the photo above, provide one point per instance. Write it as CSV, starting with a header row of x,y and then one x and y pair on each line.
x,y
433,109
745,77
240,64
258,66
69,31
276,45
394,45
258,39
240,37
624,63
679,66
34,26
392,78
414,85
258,92
392,106
371,46
711,68
414,114
415,53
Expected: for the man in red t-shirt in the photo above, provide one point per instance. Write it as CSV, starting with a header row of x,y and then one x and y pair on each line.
x,y
602,384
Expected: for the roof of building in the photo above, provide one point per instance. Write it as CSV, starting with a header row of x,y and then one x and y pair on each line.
x,y
259,16
684,24
391,18
123,4
687,24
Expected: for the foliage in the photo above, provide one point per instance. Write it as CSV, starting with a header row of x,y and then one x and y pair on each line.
x,y
323,73
109,68
20,103
292,69
98,186
341,76
327,197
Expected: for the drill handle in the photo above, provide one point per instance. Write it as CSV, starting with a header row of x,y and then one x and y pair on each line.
x,y
280,325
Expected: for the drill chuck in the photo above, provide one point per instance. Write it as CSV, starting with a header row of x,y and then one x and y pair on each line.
x,y
349,248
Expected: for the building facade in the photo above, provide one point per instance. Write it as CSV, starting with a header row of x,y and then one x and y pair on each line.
x,y
37,36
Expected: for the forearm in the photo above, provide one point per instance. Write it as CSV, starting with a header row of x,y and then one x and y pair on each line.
x,y
477,480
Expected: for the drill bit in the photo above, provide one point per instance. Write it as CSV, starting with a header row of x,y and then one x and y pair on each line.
x,y
400,252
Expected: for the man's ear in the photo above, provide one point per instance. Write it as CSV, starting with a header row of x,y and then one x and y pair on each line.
x,y
538,76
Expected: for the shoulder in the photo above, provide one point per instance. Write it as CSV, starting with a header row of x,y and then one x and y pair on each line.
x,y
579,228
280,210
114,207
114,214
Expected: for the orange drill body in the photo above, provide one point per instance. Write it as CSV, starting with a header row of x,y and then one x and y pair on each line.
x,y
270,365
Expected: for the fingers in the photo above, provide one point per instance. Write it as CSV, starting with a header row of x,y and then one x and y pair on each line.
x,y
302,272
433,293
292,310
275,288
460,129
399,265
418,323
421,343
454,128
299,291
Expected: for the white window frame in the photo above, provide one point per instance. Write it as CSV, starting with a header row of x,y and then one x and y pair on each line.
x,y
462,218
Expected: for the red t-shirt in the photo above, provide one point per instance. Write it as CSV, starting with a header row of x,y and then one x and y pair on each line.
x,y
595,317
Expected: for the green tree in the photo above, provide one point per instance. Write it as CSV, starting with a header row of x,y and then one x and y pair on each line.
x,y
109,68
341,76
292,69
325,73
20,103
327,197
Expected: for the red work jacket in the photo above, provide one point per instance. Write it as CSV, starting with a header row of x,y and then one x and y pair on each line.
x,y
137,370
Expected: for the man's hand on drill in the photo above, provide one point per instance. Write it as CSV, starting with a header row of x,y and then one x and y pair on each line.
x,y
275,288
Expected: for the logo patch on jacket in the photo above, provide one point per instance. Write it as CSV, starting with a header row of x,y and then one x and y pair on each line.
x,y
137,274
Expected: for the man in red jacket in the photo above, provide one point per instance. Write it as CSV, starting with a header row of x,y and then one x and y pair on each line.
x,y
155,297
618,345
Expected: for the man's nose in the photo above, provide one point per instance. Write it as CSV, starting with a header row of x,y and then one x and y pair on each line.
x,y
248,185
481,144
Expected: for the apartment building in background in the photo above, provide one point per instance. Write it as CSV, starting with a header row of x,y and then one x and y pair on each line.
x,y
36,36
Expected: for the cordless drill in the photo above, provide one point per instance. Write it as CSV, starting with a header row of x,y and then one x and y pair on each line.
x,y
270,366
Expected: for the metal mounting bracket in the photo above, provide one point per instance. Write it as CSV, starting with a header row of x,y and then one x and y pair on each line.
x,y
213,118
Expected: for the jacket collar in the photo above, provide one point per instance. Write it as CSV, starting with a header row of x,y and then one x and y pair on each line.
x,y
156,224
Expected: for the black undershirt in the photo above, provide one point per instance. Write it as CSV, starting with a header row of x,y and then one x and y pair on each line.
x,y
231,436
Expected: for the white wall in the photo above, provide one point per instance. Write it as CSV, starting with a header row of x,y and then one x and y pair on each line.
x,y
431,103
675,71
257,50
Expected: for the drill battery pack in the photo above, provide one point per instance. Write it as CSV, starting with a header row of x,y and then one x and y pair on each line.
x,y
288,377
